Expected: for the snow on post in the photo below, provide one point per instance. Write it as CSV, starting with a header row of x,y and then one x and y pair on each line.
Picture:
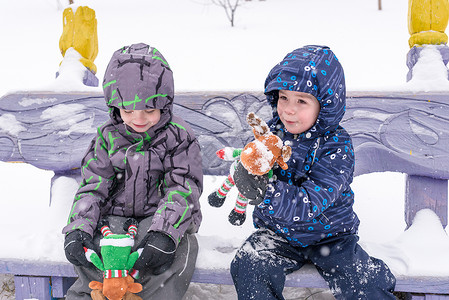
x,y
427,22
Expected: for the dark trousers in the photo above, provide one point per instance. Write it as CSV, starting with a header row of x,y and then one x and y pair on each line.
x,y
261,264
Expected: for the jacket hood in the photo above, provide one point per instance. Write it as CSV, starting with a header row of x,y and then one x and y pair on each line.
x,y
314,70
138,77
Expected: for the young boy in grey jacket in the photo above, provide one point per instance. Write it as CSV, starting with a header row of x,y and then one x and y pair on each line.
x,y
144,163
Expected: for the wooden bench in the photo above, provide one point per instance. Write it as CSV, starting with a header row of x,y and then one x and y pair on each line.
x,y
399,132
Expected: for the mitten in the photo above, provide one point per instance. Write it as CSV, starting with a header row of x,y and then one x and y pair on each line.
x,y
74,244
251,186
102,222
157,253
129,222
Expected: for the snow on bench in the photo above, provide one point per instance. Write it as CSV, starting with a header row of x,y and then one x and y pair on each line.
x,y
399,132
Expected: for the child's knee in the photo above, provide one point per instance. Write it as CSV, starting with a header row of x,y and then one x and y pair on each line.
x,y
240,258
384,277
369,280
246,259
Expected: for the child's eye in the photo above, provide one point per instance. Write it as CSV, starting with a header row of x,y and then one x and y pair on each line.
x,y
149,111
282,98
301,101
128,111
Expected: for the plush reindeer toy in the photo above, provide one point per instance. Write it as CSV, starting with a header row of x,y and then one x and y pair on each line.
x,y
116,263
257,157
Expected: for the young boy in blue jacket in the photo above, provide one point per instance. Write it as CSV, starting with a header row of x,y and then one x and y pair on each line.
x,y
307,215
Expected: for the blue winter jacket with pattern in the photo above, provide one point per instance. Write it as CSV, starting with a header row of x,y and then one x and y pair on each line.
x,y
312,199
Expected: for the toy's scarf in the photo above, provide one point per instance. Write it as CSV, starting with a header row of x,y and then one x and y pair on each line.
x,y
115,273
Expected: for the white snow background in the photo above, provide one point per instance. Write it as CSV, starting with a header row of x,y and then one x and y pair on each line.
x,y
206,53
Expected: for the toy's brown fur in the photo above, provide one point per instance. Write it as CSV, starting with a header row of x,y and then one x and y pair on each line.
x,y
122,288
258,158
254,158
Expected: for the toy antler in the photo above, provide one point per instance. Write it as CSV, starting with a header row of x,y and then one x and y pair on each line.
x,y
259,126
286,153
285,156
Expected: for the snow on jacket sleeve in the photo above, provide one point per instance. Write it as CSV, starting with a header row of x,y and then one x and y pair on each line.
x,y
179,209
328,180
97,173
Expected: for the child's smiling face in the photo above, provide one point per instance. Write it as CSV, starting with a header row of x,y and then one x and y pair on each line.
x,y
140,120
298,111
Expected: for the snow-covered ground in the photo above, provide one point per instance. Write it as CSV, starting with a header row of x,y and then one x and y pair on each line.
x,y
206,53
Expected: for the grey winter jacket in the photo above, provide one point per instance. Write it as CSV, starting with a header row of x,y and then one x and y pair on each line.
x,y
125,173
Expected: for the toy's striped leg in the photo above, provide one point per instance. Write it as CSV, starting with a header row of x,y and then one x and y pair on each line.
x,y
130,226
217,198
238,214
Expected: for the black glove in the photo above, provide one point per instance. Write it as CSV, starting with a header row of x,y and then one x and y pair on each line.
x,y
129,222
158,253
73,247
251,186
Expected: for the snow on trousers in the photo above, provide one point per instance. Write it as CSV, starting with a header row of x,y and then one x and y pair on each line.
x,y
261,264
172,284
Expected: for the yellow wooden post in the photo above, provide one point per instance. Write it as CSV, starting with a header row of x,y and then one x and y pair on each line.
x,y
427,22
80,32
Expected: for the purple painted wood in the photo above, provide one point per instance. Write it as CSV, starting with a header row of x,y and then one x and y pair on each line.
x,y
416,297
427,297
415,52
424,192
398,132
214,276
423,284
32,288
435,297
57,286
60,285
36,268
52,131
307,276
89,78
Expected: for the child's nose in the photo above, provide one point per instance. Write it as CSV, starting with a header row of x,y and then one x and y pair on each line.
x,y
139,115
290,108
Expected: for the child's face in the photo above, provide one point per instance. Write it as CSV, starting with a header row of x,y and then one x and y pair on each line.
x,y
140,120
298,111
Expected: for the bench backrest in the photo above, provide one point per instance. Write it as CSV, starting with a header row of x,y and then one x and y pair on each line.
x,y
406,133
399,132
